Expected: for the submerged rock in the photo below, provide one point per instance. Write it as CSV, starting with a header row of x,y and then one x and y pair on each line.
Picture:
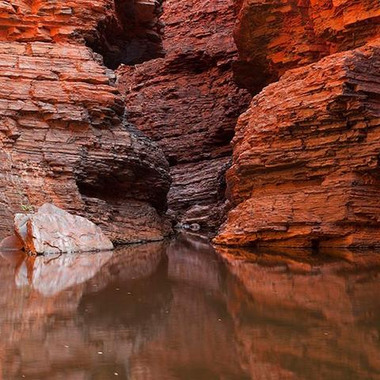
x,y
53,230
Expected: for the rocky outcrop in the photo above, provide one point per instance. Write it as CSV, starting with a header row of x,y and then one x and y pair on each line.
x,y
274,36
188,103
131,34
305,169
63,135
305,161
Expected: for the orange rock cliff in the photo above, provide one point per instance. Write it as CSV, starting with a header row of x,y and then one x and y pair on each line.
x,y
117,110
305,166
64,137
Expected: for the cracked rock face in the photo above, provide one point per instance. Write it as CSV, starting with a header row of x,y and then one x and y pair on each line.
x,y
188,103
305,154
306,158
63,135
53,230
274,36
131,34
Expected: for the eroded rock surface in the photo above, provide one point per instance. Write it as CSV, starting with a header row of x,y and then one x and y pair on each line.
x,y
305,168
131,34
306,152
188,103
274,36
63,134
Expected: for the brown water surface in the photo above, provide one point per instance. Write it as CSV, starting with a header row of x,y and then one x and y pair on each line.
x,y
177,310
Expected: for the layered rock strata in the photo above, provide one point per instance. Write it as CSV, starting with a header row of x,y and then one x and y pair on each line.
x,y
188,103
63,134
305,162
306,158
274,36
131,34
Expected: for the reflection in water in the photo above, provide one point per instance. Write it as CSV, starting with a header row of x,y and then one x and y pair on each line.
x,y
54,273
175,310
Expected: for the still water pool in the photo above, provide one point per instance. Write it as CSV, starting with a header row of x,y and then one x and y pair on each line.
x,y
179,310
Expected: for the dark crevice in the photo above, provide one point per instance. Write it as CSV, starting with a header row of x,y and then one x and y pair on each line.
x,y
131,34
195,62
123,186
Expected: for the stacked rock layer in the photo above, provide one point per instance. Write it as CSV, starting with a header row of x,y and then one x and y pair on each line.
x,y
189,103
63,135
274,36
306,154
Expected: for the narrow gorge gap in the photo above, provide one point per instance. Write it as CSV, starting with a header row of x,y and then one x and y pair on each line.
x,y
131,35
188,101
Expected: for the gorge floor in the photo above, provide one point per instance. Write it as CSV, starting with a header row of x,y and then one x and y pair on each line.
x,y
179,310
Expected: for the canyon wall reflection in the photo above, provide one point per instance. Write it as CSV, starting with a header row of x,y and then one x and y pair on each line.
x,y
176,310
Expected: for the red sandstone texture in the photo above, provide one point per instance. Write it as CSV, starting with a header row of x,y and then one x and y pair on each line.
x,y
63,135
188,103
274,36
305,162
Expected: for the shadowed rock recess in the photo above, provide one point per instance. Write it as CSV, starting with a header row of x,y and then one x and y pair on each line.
x,y
189,103
306,154
63,135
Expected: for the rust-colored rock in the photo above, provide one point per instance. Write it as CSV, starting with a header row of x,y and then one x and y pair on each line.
x,y
63,135
188,103
306,158
304,171
52,230
274,36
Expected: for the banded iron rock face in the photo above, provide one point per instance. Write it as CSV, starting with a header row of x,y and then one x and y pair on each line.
x,y
274,36
306,158
305,166
63,134
188,103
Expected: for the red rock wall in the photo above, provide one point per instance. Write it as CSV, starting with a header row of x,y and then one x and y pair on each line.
x,y
63,135
188,103
305,163
274,36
